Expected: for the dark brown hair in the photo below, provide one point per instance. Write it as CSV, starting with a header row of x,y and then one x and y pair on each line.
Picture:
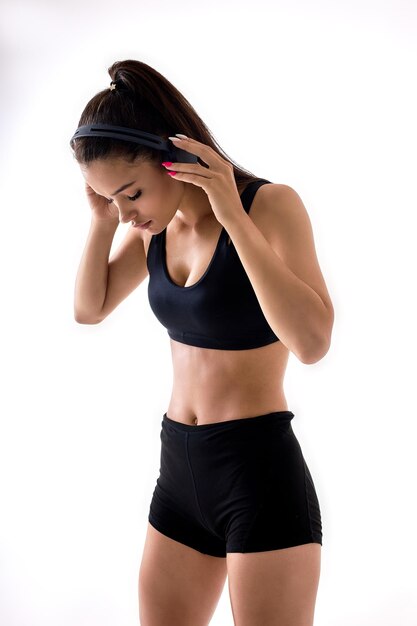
x,y
146,100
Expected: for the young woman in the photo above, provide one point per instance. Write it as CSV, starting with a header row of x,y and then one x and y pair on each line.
x,y
234,277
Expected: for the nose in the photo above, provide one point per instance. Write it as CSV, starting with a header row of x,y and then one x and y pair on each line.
x,y
127,216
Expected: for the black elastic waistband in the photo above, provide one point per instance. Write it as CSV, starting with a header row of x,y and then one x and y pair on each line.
x,y
276,416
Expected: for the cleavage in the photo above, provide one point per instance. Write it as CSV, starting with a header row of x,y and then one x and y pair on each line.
x,y
188,253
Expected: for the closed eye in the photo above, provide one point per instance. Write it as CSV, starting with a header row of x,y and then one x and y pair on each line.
x,y
136,196
133,198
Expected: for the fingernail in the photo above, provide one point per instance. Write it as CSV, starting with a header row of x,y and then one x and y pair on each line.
x,y
167,163
181,136
171,173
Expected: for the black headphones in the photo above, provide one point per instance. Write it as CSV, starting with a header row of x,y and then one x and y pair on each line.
x,y
174,154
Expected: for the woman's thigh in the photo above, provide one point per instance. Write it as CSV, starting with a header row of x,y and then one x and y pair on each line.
x,y
178,585
275,587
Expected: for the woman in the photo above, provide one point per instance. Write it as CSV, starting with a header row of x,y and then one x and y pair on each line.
x,y
237,292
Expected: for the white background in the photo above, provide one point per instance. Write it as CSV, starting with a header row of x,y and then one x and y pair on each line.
x,y
320,96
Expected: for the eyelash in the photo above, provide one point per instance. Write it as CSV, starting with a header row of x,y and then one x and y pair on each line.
x,y
133,198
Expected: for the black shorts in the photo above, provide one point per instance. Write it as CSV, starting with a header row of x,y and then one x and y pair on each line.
x,y
236,486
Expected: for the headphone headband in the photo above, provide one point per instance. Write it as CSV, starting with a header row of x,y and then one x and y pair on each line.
x,y
137,136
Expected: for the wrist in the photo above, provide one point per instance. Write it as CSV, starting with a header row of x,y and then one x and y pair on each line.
x,y
106,224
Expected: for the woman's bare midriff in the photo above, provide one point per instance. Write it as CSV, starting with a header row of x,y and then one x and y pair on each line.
x,y
217,385
210,385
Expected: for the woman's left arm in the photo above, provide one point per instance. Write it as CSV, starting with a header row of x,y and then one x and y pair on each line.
x,y
279,257
276,248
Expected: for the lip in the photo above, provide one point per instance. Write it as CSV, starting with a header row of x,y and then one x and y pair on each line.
x,y
142,225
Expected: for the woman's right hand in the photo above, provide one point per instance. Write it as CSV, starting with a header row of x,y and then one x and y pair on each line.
x,y
102,210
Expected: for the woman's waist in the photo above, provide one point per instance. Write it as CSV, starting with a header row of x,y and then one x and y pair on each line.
x,y
207,402
220,385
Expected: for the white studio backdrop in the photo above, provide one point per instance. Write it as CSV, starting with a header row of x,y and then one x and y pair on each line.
x,y
320,96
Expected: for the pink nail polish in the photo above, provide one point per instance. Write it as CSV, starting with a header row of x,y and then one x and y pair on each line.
x,y
171,173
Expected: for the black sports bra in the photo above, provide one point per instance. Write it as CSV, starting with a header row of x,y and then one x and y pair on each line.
x,y
220,310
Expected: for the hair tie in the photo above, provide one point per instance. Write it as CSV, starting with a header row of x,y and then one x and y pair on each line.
x,y
113,85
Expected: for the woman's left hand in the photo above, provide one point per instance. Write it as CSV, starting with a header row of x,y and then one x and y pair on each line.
x,y
217,179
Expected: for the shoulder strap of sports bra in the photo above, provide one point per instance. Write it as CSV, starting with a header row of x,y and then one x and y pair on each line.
x,y
249,193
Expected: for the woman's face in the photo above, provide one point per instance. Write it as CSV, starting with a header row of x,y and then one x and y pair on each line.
x,y
153,194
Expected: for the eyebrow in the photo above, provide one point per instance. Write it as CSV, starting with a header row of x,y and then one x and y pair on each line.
x,y
122,188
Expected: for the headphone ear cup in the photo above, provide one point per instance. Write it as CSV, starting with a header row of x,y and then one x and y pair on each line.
x,y
182,156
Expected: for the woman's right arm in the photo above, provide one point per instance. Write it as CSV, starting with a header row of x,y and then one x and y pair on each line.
x,y
102,284
91,281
